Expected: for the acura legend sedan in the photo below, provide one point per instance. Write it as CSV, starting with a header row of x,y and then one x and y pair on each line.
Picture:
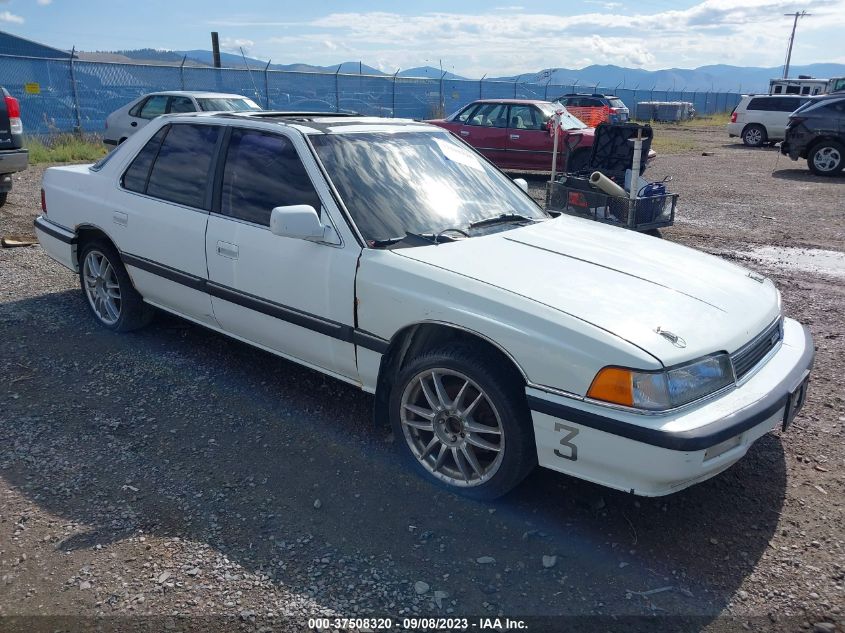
x,y
390,255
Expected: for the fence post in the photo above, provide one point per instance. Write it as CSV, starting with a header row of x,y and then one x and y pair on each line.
x,y
78,129
481,86
337,90
441,110
546,90
267,85
182,72
393,104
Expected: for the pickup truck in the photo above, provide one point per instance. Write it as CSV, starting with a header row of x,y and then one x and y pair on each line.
x,y
389,254
13,157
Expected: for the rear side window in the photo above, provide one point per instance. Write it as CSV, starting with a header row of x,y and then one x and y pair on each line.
x,y
180,173
135,178
181,104
263,171
154,106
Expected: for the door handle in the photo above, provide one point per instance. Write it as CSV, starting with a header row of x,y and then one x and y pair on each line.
x,y
225,249
134,124
464,133
514,137
120,218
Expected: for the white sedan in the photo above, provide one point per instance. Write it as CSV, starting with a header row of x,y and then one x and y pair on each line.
x,y
388,254
125,121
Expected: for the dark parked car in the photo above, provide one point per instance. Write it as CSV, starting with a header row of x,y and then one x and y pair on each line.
x,y
13,157
595,108
816,132
514,134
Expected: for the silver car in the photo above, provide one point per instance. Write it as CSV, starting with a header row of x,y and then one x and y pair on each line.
x,y
124,122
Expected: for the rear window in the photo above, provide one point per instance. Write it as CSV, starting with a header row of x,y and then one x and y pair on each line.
x,y
616,103
227,105
180,173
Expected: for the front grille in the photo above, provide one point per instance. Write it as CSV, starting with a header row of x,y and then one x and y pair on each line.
x,y
748,356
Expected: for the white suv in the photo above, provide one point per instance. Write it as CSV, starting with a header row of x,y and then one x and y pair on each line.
x,y
761,119
389,254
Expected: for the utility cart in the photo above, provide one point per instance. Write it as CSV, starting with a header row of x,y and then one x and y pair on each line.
x,y
602,191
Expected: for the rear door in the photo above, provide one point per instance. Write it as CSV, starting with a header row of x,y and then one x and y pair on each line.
x,y
529,143
486,130
160,216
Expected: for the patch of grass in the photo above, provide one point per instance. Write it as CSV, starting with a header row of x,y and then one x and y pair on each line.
x,y
672,144
64,148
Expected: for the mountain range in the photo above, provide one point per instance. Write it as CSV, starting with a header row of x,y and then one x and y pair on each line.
x,y
718,77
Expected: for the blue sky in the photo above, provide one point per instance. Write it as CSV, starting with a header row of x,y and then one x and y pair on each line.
x,y
471,37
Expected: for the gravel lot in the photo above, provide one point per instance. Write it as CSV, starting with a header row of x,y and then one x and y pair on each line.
x,y
173,472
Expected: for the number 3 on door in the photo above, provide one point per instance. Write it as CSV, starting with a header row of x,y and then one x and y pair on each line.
x,y
571,432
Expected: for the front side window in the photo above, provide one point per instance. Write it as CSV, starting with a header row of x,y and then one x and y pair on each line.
x,y
466,113
180,173
397,183
135,178
263,171
490,115
154,106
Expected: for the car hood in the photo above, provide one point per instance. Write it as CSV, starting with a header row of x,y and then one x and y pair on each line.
x,y
631,285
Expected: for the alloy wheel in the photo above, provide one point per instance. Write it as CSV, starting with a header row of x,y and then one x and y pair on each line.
x,y
452,427
827,158
101,287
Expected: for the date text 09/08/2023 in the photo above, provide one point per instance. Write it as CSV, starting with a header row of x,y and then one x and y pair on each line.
x,y
417,624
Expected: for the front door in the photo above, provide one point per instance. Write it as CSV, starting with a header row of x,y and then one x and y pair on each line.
x,y
486,130
292,296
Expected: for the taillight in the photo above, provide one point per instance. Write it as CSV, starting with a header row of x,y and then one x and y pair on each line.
x,y
13,108
43,202
733,117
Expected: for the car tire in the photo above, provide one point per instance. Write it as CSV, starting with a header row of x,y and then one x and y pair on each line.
x,y
3,197
108,290
437,424
579,161
826,158
754,135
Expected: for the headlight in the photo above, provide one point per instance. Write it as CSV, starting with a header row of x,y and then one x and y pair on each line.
x,y
666,389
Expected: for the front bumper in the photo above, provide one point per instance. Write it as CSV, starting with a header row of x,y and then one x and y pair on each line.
x,y
13,160
654,455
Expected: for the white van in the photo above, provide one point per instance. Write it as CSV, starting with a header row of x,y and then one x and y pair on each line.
x,y
761,119
806,86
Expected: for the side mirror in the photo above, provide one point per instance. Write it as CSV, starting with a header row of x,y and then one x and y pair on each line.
x,y
521,183
300,221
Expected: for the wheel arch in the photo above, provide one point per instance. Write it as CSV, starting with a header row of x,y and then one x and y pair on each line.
x,y
88,232
822,138
414,338
751,124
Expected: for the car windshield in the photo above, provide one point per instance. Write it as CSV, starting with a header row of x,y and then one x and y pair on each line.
x,y
567,120
400,183
223,104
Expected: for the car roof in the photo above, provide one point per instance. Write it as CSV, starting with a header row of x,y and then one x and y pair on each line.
x,y
197,93
516,101
314,122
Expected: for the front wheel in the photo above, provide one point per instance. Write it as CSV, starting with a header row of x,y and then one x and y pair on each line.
x,y
826,158
112,298
460,415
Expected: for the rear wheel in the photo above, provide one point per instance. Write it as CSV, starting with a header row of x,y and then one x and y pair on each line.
x,y
754,135
461,417
826,158
112,298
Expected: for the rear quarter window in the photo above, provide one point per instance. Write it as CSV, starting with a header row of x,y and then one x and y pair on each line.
x,y
135,177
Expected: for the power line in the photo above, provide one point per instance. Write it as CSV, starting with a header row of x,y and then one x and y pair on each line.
x,y
796,15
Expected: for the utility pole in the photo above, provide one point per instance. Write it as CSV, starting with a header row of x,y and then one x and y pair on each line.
x,y
796,15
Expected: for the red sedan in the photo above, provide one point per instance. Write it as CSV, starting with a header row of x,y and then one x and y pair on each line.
x,y
514,134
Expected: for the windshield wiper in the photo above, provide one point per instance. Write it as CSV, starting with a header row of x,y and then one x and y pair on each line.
x,y
503,218
412,239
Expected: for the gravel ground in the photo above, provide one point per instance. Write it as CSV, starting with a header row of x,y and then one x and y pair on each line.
x,y
173,473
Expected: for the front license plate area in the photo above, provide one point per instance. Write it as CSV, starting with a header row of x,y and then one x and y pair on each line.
x,y
795,402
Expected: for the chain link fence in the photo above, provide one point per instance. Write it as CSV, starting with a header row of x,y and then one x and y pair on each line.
x,y
69,95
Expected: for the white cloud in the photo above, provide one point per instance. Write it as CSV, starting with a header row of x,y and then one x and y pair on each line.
x,y
11,18
44,3
233,44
